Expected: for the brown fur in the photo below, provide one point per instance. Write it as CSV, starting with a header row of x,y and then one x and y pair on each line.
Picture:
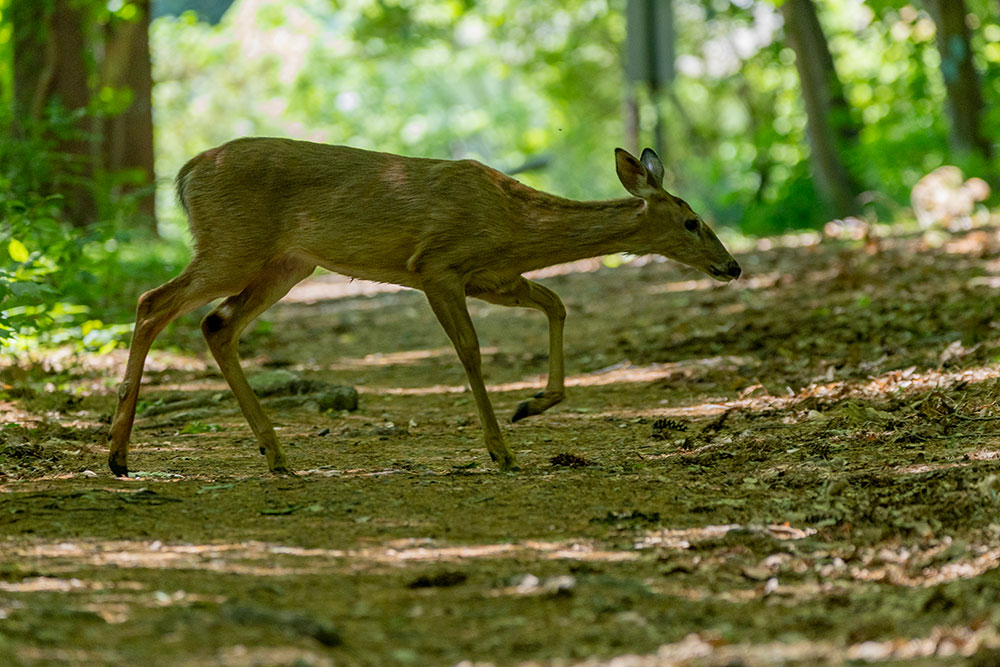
x,y
265,212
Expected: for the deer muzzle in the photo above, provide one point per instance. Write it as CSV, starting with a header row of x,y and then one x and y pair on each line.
x,y
729,271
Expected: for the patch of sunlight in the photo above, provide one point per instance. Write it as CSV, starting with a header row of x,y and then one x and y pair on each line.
x,y
549,550
699,410
407,357
45,655
886,383
422,550
241,656
967,459
757,281
620,373
329,286
402,358
890,566
990,282
353,472
160,360
55,585
202,384
991,266
683,286
710,647
904,379
943,642
259,559
904,566
683,537
976,243
798,240
589,265
10,413
423,391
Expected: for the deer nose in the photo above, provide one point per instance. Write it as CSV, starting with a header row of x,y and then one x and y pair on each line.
x,y
733,269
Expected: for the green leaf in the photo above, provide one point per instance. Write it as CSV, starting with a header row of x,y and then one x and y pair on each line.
x,y
29,291
199,427
17,251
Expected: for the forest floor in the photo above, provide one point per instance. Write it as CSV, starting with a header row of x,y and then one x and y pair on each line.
x,y
800,467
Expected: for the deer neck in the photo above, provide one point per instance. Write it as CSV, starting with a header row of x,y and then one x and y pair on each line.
x,y
562,230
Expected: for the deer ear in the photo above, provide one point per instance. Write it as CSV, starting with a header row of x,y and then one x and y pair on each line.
x,y
634,175
651,161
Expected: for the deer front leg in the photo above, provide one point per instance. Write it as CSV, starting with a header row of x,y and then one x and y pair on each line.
x,y
447,299
527,294
156,309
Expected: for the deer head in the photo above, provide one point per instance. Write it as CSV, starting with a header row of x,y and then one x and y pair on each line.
x,y
669,227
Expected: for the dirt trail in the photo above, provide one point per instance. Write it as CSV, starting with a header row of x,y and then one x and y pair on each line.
x,y
800,467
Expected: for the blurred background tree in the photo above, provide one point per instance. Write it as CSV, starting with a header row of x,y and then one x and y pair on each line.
x,y
82,80
50,71
965,98
771,114
831,130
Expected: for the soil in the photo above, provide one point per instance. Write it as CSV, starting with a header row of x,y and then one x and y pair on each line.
x,y
800,467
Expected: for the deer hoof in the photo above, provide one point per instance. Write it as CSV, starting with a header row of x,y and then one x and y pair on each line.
x,y
541,402
509,466
119,469
505,461
279,466
523,410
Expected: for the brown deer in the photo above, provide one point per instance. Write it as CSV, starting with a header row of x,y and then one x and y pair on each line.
x,y
264,213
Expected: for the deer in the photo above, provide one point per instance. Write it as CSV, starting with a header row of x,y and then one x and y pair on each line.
x,y
264,213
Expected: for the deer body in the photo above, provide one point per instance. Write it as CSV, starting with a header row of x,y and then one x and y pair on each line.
x,y
265,212
406,216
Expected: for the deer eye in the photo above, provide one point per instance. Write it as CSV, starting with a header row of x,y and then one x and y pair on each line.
x,y
691,224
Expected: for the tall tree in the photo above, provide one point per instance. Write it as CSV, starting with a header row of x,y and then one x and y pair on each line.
x,y
50,66
60,52
965,97
128,135
829,127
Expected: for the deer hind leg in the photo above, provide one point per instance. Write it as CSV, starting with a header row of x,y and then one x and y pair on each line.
x,y
222,328
527,294
447,298
156,309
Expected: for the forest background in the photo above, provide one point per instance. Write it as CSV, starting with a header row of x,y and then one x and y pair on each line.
x,y
771,116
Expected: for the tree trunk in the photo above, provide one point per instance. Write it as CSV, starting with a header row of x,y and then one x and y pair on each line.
x,y
50,67
128,136
632,120
829,127
965,98
31,55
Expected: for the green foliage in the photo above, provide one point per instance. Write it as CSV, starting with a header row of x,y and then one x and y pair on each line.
x,y
6,55
60,284
512,83
54,279
200,427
